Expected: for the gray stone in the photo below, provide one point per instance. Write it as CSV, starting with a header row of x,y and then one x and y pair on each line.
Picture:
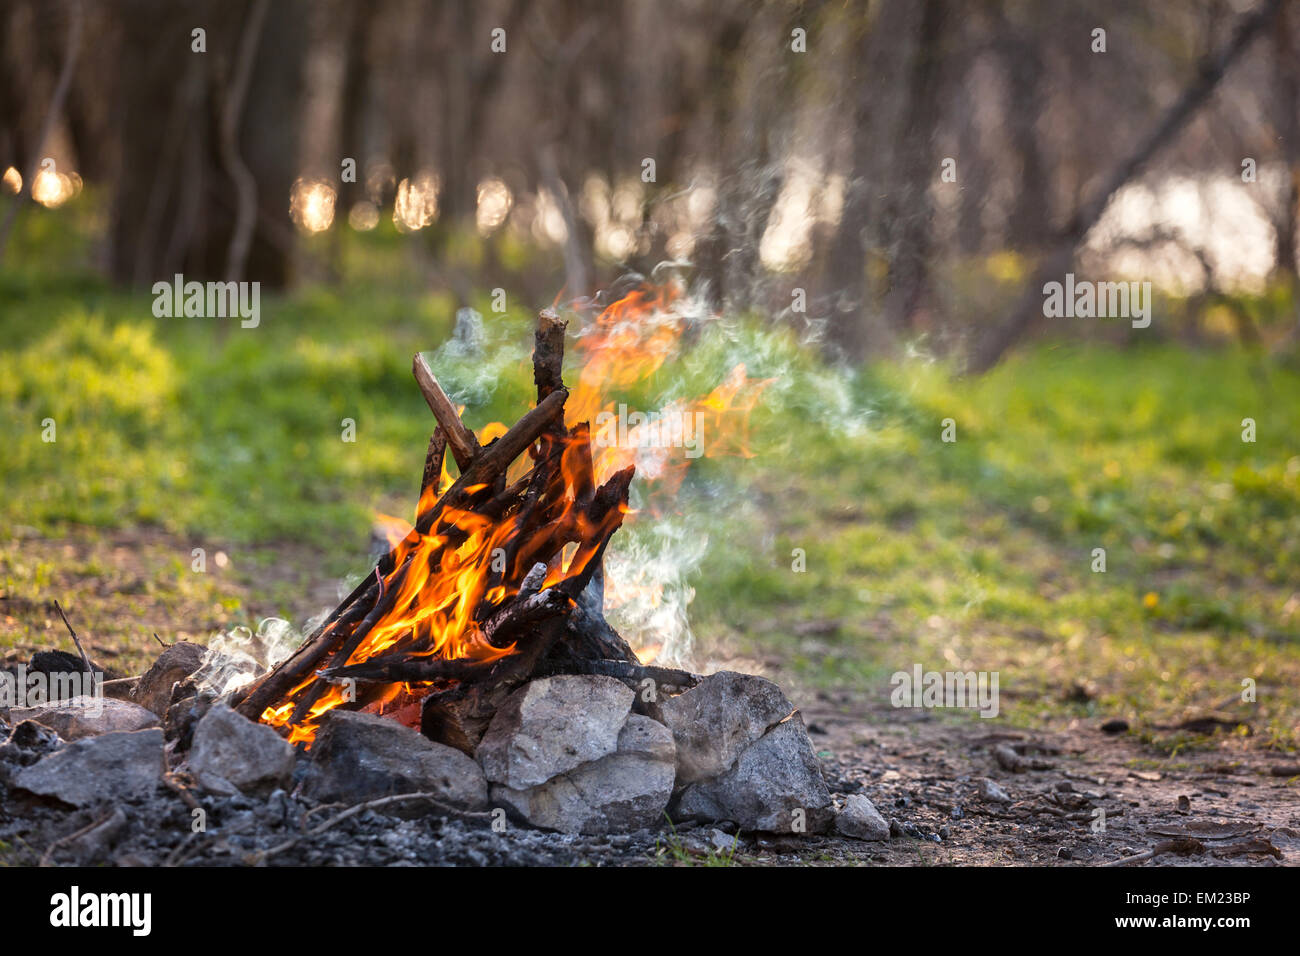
x,y
990,792
116,766
154,689
860,820
85,716
25,745
642,735
715,721
232,754
711,841
774,779
617,793
551,726
358,757
723,842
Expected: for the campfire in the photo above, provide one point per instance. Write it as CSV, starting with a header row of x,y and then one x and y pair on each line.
x,y
472,673
501,579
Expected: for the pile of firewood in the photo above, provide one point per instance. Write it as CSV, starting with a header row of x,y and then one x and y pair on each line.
x,y
548,628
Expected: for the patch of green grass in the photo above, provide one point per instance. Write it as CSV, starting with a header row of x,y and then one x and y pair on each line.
x,y
671,850
979,554
166,422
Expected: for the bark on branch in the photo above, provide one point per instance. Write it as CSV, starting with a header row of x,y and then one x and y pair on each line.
x,y
464,446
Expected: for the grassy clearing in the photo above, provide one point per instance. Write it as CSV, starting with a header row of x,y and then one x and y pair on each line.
x,y
978,554
974,554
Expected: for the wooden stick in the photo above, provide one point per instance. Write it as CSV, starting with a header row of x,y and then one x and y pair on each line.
x,y
548,352
383,604
464,446
594,631
81,650
548,367
47,858
533,581
433,463
516,614
520,665
542,474
392,668
502,502
496,457
607,511
384,670
1183,846
351,609
253,699
577,455
626,670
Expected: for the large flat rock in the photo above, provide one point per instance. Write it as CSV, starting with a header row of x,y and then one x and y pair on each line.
x,y
551,726
79,717
115,766
359,757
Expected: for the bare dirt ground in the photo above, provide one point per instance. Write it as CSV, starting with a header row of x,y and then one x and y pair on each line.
x,y
1226,803
957,791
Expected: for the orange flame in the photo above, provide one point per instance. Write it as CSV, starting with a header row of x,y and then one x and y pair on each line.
x,y
627,344
444,577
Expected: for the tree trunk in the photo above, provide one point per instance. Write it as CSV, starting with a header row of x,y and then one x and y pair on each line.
x,y
910,213
1287,105
846,268
1028,225
175,203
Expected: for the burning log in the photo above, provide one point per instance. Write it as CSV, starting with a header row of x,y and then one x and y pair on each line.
x,y
481,472
626,670
433,465
548,353
496,582
497,456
